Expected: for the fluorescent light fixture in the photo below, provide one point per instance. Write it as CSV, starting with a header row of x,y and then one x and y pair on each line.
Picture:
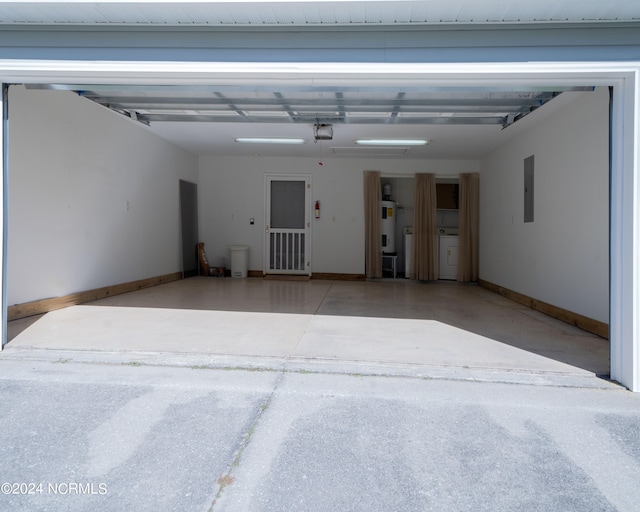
x,y
392,142
269,140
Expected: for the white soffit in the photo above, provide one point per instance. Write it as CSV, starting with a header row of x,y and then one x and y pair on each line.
x,y
314,12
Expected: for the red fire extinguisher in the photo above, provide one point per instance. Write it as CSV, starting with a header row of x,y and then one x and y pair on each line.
x,y
317,209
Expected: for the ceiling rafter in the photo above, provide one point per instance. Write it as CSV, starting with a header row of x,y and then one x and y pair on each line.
x,y
231,105
284,104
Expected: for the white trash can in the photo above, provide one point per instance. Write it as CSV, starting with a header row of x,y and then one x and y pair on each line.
x,y
239,260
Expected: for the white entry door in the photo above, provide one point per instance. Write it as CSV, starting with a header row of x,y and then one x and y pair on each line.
x,y
288,224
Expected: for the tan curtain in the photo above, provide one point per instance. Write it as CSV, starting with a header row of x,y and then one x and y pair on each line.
x,y
468,227
424,253
373,223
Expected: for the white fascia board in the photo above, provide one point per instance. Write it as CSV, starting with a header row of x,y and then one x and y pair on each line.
x,y
3,224
314,74
178,2
635,313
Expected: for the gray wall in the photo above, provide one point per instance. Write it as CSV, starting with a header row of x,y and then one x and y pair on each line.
x,y
446,43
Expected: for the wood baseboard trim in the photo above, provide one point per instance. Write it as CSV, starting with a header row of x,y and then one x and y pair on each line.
x,y
285,277
38,307
338,277
316,275
585,323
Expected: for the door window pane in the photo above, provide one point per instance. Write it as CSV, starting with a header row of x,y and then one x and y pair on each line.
x,y
287,204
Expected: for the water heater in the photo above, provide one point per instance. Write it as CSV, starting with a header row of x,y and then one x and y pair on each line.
x,y
388,227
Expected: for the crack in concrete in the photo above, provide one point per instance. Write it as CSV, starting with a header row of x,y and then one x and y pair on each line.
x,y
227,478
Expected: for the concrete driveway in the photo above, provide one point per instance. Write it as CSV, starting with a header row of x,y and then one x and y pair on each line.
x,y
107,431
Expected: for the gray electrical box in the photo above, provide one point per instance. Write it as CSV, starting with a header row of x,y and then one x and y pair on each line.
x,y
528,189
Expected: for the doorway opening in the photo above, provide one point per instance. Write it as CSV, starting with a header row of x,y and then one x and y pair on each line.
x,y
398,191
398,194
189,228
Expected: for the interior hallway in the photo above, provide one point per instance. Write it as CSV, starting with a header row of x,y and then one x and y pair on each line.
x,y
381,322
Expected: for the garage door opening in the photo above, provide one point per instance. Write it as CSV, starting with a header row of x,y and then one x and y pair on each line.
x,y
129,151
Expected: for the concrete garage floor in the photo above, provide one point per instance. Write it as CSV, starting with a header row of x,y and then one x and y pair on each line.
x,y
390,322
312,396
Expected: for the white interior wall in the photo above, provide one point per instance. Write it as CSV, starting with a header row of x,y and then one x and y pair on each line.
x,y
231,191
562,257
68,203
93,197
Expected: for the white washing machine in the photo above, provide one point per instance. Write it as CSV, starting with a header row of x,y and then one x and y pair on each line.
x,y
448,253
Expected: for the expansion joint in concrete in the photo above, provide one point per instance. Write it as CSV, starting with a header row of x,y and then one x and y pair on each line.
x,y
227,478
